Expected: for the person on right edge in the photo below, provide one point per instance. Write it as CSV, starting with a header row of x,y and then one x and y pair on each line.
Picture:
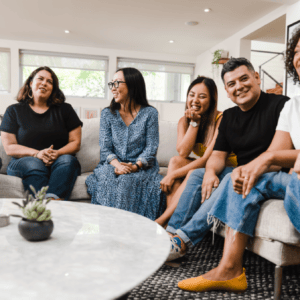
x,y
240,195
246,130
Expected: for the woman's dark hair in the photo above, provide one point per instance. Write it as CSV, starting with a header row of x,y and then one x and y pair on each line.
x,y
207,124
136,89
57,96
290,53
234,63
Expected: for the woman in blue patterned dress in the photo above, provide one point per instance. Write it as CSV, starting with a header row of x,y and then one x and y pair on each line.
x,y
127,175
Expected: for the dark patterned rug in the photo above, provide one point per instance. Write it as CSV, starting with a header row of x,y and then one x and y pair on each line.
x,y
202,258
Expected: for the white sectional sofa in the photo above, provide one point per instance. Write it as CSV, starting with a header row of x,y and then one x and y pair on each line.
x,y
275,237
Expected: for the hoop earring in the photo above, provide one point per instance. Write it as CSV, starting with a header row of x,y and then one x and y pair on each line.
x,y
29,94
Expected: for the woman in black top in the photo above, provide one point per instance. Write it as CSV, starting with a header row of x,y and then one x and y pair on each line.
x,y
42,133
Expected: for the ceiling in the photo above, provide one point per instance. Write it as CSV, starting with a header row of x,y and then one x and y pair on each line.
x,y
274,32
140,25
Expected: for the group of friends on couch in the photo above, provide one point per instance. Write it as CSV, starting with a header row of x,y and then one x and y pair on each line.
x,y
244,156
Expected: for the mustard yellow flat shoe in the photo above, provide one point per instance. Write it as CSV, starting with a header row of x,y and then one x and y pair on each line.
x,y
200,284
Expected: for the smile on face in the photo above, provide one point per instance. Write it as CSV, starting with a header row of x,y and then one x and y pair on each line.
x,y
242,87
121,93
296,61
42,85
198,98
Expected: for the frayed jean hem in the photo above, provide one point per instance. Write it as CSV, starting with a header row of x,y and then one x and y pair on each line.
x,y
211,219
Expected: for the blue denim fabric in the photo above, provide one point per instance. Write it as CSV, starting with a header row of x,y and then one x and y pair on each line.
x,y
60,176
189,220
241,214
292,201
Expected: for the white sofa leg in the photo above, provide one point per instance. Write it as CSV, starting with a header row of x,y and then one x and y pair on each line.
x,y
277,282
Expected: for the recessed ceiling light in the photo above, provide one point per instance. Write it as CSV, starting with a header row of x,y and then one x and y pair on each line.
x,y
207,9
191,23
171,41
67,31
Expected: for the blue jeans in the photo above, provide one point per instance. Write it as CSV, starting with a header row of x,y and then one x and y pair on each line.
x,y
60,176
241,214
292,201
189,220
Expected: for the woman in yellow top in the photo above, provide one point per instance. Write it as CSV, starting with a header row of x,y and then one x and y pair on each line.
x,y
196,132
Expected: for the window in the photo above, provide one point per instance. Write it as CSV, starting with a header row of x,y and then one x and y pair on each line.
x,y
79,75
165,81
4,70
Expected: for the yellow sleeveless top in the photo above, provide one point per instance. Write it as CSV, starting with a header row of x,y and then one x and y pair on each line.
x,y
199,150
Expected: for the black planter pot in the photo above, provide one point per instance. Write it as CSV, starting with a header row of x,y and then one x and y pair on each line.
x,y
35,231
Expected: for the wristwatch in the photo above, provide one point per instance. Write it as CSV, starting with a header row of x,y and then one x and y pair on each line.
x,y
194,124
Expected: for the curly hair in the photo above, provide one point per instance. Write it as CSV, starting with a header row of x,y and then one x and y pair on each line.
x,y
57,97
290,53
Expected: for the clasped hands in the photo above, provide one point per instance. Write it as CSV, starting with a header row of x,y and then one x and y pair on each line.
x,y
190,113
126,168
48,156
245,177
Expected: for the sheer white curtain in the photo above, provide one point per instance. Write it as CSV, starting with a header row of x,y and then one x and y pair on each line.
x,y
4,70
165,81
79,75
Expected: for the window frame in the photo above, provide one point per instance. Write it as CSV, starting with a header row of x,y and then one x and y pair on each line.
x,y
8,91
67,55
159,62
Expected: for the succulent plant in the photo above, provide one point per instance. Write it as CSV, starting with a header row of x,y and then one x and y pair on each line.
x,y
34,209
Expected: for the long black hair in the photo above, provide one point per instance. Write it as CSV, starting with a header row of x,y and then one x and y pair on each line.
x,y
136,89
207,123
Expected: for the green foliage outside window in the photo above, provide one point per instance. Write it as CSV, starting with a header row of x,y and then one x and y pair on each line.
x,y
74,82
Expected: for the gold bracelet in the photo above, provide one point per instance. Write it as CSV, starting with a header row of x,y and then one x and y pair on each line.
x,y
35,155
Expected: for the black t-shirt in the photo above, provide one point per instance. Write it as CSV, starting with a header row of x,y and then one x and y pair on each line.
x,y
40,131
249,133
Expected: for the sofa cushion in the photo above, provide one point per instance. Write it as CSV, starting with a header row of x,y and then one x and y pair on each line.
x,y
167,142
5,158
11,187
79,191
89,153
273,223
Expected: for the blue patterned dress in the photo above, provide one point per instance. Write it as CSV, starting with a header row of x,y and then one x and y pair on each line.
x,y
136,192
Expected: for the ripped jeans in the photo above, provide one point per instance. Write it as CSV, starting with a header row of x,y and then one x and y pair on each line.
x,y
241,214
189,221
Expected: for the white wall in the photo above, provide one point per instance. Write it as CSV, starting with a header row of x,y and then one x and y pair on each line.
x,y
237,47
275,67
292,13
167,111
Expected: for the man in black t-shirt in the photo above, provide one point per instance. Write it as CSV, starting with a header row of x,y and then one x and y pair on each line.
x,y
247,130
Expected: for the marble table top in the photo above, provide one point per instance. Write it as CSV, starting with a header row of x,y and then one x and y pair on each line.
x,y
94,252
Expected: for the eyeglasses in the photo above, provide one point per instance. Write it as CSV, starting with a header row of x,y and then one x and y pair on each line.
x,y
115,84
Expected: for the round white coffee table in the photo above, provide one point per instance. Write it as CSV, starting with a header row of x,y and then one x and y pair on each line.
x,y
94,252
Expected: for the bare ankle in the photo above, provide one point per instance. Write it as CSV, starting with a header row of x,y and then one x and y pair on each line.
x,y
229,268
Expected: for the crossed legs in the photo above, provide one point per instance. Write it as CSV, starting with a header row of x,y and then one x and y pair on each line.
x,y
178,187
